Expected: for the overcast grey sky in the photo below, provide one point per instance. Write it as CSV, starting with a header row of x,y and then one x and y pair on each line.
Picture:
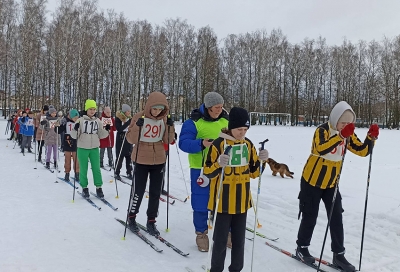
x,y
298,19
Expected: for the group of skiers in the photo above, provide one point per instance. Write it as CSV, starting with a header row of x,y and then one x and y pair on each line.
x,y
218,149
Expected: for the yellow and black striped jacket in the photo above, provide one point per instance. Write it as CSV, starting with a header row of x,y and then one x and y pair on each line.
x,y
323,165
235,194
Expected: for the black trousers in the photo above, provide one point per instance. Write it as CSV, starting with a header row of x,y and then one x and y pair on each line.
x,y
310,198
40,148
125,154
139,186
236,223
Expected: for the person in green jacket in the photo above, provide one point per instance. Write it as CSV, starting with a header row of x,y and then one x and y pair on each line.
x,y
197,135
88,130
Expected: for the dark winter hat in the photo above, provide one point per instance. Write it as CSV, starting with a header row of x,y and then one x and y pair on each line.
x,y
45,108
212,99
238,117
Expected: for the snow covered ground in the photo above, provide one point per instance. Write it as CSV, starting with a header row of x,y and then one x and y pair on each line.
x,y
42,230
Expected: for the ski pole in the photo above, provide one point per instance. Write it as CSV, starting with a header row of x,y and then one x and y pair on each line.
x,y
333,204
133,181
256,208
183,174
167,230
76,161
221,179
117,162
57,154
365,207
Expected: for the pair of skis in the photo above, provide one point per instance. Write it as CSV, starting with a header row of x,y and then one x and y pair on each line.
x,y
150,243
100,198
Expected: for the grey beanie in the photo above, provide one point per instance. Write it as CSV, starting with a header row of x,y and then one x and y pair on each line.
x,y
125,108
51,110
212,99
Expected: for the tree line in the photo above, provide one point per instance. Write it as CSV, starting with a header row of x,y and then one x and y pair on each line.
x,y
84,52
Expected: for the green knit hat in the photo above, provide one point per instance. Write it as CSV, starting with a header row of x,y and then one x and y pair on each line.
x,y
90,104
73,113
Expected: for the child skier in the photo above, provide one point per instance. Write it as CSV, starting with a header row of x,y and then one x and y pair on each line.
x,y
320,175
149,156
239,166
107,143
50,138
123,148
27,132
70,144
18,136
88,130
40,130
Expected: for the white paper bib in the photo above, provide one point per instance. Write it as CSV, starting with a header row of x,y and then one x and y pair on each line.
x,y
106,121
239,155
69,127
152,130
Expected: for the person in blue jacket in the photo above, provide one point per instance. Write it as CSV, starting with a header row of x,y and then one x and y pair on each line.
x,y
27,129
196,137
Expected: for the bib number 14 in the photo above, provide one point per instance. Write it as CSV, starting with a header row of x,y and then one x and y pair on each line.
x,y
90,127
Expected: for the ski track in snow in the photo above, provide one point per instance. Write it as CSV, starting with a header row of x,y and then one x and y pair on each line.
x,y
42,230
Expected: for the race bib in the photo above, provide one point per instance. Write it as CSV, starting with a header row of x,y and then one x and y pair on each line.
x,y
336,154
29,122
90,127
152,131
52,123
69,127
42,117
107,121
239,155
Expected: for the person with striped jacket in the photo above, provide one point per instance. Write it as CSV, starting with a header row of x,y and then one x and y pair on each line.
x,y
320,175
241,164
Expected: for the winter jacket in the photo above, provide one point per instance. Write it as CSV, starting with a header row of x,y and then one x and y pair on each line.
x,y
26,128
40,129
200,126
106,141
16,124
89,133
21,127
244,164
122,123
67,125
327,150
151,152
50,136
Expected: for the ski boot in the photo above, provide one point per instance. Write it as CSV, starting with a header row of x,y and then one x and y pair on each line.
x,y
340,261
151,227
303,254
99,192
85,193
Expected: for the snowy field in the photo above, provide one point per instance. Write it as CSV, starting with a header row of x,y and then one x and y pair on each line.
x,y
42,230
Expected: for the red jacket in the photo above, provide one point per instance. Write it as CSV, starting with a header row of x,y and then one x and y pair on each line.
x,y
16,124
106,141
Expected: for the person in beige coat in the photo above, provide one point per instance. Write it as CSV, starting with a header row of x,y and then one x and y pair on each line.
x,y
88,131
148,131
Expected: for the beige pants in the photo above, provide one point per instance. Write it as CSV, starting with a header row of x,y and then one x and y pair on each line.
x,y
67,166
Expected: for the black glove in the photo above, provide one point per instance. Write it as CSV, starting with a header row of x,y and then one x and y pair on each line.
x,y
76,127
170,122
23,119
108,127
43,122
140,122
176,136
129,121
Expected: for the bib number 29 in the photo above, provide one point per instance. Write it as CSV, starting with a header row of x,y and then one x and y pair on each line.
x,y
152,131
